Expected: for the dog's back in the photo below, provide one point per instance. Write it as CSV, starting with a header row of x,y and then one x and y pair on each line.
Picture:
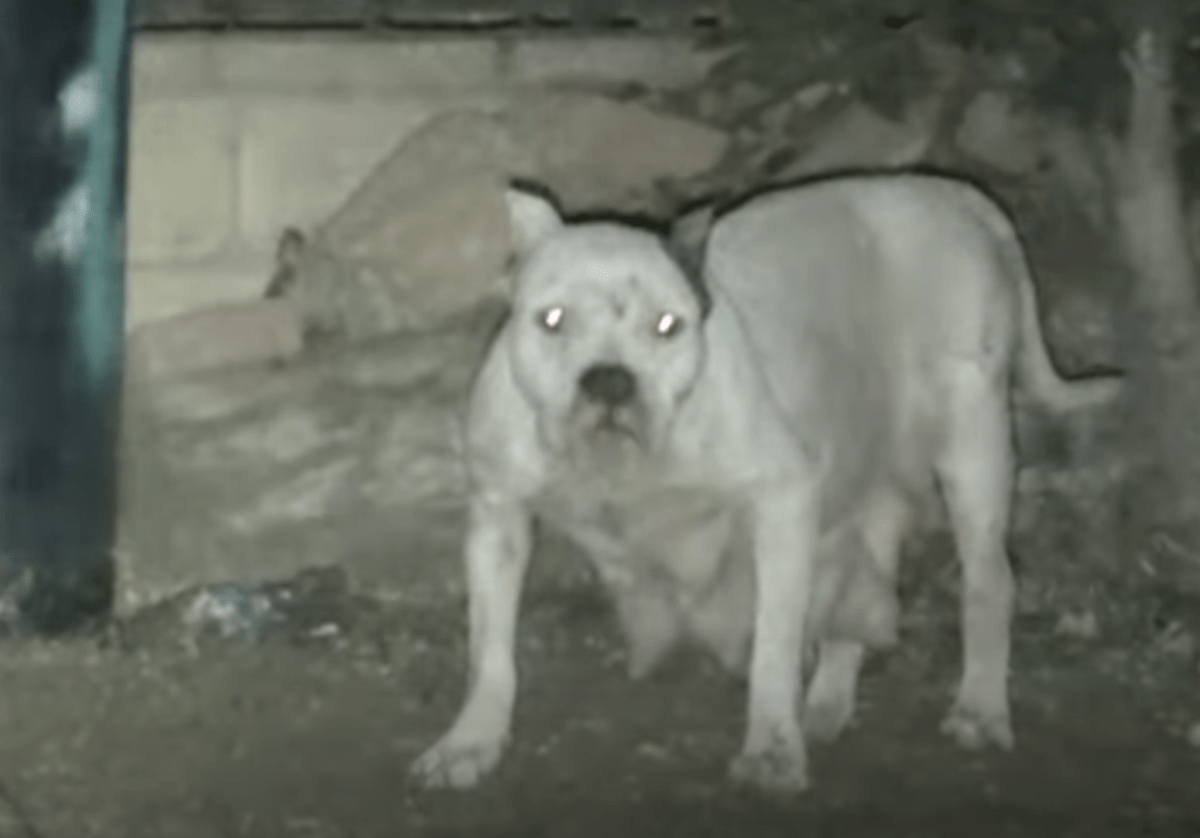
x,y
854,292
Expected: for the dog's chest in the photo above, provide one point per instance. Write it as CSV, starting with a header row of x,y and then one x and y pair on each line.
x,y
633,536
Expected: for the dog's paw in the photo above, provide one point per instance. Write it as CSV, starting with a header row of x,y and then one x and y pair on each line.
x,y
975,730
778,770
829,701
454,764
826,717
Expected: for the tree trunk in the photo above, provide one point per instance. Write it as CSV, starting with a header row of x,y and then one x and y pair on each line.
x,y
1159,316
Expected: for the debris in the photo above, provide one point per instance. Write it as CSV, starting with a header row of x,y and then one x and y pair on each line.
x,y
1193,735
325,630
309,606
651,751
1167,544
229,610
997,132
1080,626
1168,559
1176,641
812,95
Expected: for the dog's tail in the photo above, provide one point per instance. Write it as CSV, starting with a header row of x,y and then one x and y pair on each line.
x,y
1037,377
1036,373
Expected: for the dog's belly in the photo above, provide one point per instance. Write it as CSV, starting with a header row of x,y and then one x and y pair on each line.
x,y
675,563
669,538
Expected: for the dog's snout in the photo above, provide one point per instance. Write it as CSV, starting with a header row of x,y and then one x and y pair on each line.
x,y
612,384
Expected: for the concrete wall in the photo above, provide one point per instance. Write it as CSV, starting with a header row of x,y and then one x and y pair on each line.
x,y
235,137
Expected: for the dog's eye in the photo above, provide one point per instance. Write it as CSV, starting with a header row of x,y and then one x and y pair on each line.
x,y
552,318
668,325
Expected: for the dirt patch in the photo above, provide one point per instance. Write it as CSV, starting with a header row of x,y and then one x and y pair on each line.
x,y
152,730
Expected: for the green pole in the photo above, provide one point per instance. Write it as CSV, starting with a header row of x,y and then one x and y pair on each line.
x,y
63,139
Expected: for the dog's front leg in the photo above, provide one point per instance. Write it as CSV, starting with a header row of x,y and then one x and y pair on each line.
x,y
497,554
785,527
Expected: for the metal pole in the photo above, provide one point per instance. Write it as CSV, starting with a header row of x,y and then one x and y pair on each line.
x,y
64,98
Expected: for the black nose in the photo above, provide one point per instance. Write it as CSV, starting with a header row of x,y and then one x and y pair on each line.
x,y
612,384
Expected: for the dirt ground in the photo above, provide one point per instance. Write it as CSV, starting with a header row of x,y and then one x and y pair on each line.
x,y
152,729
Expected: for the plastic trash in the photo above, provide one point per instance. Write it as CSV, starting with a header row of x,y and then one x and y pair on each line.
x,y
230,610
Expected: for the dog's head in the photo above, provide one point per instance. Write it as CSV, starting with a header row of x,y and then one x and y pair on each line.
x,y
605,336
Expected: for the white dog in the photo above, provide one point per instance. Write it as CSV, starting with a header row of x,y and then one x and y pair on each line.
x,y
725,446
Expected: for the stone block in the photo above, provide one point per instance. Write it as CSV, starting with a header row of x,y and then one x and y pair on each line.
x,y
181,179
169,64
156,293
222,336
663,63
349,65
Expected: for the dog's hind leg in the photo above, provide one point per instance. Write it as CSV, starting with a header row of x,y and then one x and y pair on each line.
x,y
975,469
651,624
832,695
724,619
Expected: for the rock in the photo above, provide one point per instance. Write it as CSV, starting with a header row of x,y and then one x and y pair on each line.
x,y
597,154
856,137
452,146
776,122
348,458
434,252
220,336
381,263
821,129
709,105
725,106
340,297
593,152
789,119
994,131
1078,626
426,234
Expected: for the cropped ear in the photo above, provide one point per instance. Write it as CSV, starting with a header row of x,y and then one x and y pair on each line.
x,y
687,243
532,217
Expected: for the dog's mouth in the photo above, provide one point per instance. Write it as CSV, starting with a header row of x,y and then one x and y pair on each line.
x,y
613,422
602,426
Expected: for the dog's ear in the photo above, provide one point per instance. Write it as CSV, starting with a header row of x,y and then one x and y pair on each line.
x,y
532,218
687,242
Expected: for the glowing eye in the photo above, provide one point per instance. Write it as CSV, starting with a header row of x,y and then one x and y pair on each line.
x,y
552,318
668,325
